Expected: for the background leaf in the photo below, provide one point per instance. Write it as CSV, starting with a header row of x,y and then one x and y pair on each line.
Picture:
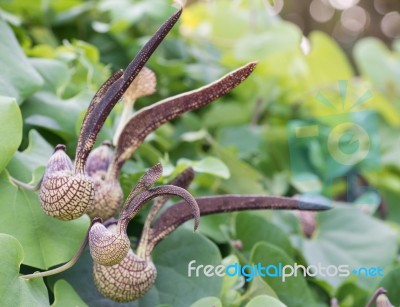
x,y
10,129
14,290
18,78
251,228
207,301
66,296
265,300
46,240
348,236
294,291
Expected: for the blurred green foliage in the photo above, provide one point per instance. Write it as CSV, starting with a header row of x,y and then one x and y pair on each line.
x,y
55,54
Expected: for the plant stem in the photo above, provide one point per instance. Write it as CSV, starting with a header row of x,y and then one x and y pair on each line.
x,y
26,186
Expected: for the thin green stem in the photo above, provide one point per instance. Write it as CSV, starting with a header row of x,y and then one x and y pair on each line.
x,y
26,186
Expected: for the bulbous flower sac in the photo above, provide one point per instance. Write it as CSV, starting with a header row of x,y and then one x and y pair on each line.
x,y
126,281
64,194
108,192
108,246
99,159
107,197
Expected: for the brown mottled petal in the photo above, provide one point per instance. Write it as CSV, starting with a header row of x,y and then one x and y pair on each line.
x,y
102,109
176,215
84,133
183,180
132,208
149,119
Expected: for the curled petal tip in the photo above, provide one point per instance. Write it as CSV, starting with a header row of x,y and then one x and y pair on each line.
x,y
253,63
196,220
251,66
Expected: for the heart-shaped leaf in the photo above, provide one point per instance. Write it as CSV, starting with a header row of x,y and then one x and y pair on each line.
x,y
46,240
14,290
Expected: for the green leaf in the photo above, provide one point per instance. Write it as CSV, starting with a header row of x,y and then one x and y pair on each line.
x,y
379,65
208,165
233,114
14,290
277,39
46,240
346,236
18,78
55,73
391,282
247,140
231,285
251,228
35,156
10,129
349,295
48,111
216,226
259,287
265,300
65,295
327,62
293,291
172,258
207,302
244,178
197,15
